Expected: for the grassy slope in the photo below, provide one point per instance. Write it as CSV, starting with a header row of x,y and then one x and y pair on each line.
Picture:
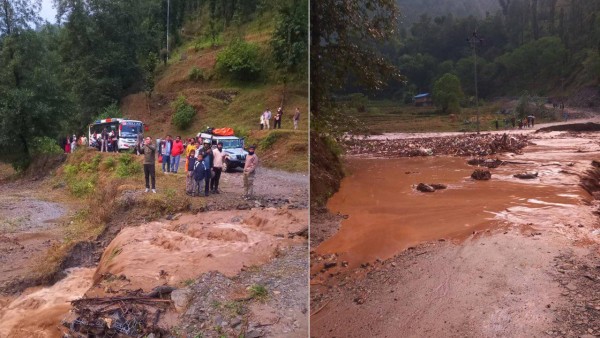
x,y
390,116
220,102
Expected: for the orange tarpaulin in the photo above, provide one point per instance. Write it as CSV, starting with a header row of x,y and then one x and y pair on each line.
x,y
223,132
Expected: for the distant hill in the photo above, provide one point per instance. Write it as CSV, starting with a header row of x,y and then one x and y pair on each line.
x,y
411,10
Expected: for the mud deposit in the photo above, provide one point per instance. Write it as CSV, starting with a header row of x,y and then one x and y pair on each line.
x,y
499,258
171,252
386,214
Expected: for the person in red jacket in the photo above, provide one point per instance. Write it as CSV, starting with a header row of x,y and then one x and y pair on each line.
x,y
176,152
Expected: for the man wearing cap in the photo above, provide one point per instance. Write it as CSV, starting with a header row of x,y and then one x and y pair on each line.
x,y
249,172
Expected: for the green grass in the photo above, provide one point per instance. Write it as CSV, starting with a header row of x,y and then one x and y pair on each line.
x,y
258,292
388,116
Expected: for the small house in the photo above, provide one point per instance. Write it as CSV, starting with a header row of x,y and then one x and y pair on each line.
x,y
423,100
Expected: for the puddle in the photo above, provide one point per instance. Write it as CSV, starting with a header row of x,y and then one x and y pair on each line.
x,y
38,312
387,215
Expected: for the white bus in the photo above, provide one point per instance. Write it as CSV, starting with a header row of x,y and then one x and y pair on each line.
x,y
127,132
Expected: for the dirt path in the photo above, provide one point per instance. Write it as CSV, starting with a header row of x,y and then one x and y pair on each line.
x,y
272,188
533,274
28,227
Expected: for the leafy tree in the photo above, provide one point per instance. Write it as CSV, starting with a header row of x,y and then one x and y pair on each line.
x,y
110,111
290,38
342,47
447,93
184,113
32,101
239,60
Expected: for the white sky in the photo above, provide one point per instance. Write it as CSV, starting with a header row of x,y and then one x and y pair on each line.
x,y
48,12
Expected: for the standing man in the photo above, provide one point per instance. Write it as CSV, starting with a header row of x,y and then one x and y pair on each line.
x,y
250,172
166,154
104,140
278,118
176,154
267,118
149,169
296,118
218,157
208,159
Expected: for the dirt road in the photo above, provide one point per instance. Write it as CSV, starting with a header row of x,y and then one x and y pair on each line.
x,y
531,270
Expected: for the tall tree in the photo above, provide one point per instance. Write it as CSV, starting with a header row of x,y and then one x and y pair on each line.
x,y
344,35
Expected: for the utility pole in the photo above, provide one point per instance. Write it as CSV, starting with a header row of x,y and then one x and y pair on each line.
x,y
168,14
473,41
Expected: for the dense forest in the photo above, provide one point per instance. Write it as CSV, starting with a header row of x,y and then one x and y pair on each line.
x,y
57,78
546,47
411,10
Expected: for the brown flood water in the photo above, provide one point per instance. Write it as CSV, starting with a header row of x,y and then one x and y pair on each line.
x,y
387,215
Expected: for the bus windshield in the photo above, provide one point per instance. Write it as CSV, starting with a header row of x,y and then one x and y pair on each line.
x,y
130,129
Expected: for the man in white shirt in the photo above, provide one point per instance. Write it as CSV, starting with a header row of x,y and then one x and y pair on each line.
x,y
218,157
267,117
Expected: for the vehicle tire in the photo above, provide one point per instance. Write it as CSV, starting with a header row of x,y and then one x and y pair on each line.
x,y
226,166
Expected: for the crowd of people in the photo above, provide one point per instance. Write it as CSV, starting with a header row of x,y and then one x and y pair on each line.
x,y
266,116
203,164
105,141
70,143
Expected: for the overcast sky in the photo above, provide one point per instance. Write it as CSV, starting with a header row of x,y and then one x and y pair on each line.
x,y
48,12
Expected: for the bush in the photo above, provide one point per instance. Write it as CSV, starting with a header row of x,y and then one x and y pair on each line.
x,y
196,74
208,42
184,113
270,140
128,166
240,60
111,110
71,170
109,163
82,186
45,145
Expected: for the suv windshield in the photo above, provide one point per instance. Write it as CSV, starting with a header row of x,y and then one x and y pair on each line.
x,y
232,143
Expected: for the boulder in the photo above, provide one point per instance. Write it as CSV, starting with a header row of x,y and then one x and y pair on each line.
x,y
422,187
526,176
481,175
181,298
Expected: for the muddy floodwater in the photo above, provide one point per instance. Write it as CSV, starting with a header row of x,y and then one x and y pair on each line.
x,y
386,214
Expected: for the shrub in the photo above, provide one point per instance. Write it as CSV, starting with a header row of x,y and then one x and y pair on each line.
x,y
70,170
240,60
270,140
111,110
208,42
82,186
45,145
128,166
258,292
196,74
110,163
184,113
